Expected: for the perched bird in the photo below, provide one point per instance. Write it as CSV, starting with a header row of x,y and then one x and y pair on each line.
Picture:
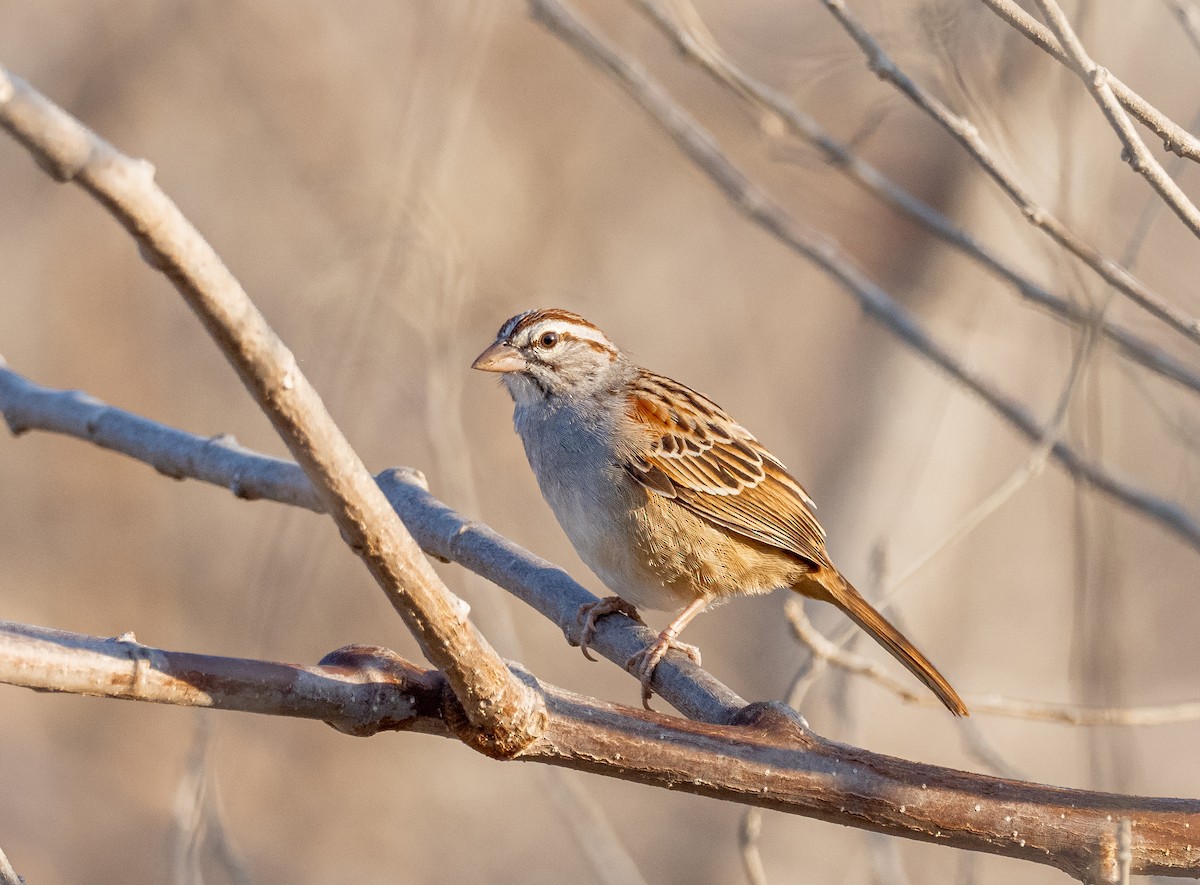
x,y
672,503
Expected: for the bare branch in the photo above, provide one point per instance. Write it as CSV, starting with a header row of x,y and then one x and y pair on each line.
x,y
749,833
967,134
495,701
698,144
1063,714
690,36
439,530
766,758
1099,83
1174,137
8,876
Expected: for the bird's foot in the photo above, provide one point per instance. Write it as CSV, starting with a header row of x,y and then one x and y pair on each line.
x,y
591,612
643,664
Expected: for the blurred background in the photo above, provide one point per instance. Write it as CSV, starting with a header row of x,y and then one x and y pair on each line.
x,y
392,180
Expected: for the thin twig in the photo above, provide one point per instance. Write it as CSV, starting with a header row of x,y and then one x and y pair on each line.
x,y
495,701
1174,137
749,834
1039,711
698,144
199,819
1034,464
599,843
1124,850
1099,83
967,134
777,113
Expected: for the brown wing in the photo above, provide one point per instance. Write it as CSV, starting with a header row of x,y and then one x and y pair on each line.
x,y
701,458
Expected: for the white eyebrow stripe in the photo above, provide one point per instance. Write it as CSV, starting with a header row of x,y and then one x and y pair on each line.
x,y
566,327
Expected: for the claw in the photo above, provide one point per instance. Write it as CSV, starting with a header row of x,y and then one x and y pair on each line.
x,y
591,612
643,664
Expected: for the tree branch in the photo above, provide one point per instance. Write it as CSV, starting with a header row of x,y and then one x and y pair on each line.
x,y
754,202
439,530
1174,137
493,699
767,758
967,134
1099,83
691,38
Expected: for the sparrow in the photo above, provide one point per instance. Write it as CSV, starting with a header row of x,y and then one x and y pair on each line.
x,y
673,504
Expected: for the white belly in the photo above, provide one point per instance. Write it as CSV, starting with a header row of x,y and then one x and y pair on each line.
x,y
606,523
601,509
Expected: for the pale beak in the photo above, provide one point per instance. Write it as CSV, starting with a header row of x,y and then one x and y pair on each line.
x,y
500,357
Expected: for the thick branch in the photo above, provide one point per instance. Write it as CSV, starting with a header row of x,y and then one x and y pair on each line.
x,y
754,202
766,759
70,152
439,530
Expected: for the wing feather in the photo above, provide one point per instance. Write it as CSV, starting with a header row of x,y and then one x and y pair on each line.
x,y
699,457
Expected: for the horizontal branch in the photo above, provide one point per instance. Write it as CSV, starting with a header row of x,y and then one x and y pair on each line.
x,y
439,530
70,152
761,208
767,758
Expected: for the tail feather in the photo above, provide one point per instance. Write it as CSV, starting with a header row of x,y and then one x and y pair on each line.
x,y
841,593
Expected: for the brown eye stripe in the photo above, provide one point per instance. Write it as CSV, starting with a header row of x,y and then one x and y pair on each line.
x,y
530,318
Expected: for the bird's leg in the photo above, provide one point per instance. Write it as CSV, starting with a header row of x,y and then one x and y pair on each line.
x,y
591,612
643,664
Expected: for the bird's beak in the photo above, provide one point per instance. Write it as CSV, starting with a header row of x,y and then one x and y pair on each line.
x,y
500,357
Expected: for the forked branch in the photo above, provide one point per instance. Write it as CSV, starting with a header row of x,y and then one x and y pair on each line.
x,y
766,758
494,701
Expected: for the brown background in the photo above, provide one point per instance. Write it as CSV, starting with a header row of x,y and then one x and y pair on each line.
x,y
390,181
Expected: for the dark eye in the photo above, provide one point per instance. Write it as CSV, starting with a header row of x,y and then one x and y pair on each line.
x,y
548,340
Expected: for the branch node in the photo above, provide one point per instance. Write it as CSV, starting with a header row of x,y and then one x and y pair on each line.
x,y
499,743
777,723
382,673
404,475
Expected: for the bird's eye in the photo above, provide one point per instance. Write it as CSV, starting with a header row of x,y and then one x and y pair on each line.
x,y
548,340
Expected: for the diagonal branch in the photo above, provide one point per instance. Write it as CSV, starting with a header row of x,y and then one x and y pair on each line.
x,y
761,208
1099,83
8,876
767,758
1174,137
493,698
967,134
683,27
437,528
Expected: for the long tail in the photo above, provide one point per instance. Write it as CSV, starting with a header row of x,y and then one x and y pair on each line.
x,y
832,587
